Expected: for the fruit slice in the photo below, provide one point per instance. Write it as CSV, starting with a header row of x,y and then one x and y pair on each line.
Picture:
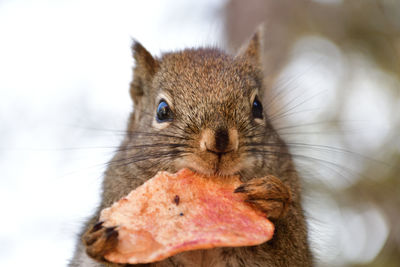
x,y
172,213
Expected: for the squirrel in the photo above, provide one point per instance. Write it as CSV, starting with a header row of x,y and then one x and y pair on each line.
x,y
202,109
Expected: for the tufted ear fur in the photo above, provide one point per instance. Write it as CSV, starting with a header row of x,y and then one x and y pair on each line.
x,y
252,50
145,68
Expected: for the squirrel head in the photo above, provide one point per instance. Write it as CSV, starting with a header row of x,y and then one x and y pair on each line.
x,y
201,109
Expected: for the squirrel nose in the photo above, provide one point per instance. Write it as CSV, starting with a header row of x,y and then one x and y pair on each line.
x,y
220,141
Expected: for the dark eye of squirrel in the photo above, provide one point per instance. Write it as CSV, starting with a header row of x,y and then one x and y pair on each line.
x,y
164,113
257,109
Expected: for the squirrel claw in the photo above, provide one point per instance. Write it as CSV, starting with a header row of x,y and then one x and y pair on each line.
x,y
99,240
240,189
269,194
96,227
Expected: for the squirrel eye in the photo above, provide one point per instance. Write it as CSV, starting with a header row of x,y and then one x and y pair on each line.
x,y
164,113
257,109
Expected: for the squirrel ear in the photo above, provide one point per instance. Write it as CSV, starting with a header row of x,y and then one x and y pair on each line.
x,y
145,68
252,50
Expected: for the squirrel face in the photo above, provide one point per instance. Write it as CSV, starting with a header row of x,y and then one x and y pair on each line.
x,y
205,104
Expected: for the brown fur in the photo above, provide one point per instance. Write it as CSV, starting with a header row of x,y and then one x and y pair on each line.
x,y
210,94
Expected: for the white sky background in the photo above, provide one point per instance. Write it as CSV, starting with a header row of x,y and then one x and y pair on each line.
x,y
65,68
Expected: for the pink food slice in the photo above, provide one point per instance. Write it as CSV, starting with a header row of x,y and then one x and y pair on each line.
x,y
172,213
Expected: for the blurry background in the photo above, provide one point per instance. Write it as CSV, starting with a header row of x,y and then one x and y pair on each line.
x,y
332,69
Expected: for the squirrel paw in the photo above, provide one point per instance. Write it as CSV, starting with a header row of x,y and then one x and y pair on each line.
x,y
99,240
269,194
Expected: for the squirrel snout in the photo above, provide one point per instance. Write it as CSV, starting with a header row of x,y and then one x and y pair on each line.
x,y
219,141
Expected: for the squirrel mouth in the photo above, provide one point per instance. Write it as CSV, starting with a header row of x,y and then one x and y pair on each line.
x,y
221,164
217,167
219,154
